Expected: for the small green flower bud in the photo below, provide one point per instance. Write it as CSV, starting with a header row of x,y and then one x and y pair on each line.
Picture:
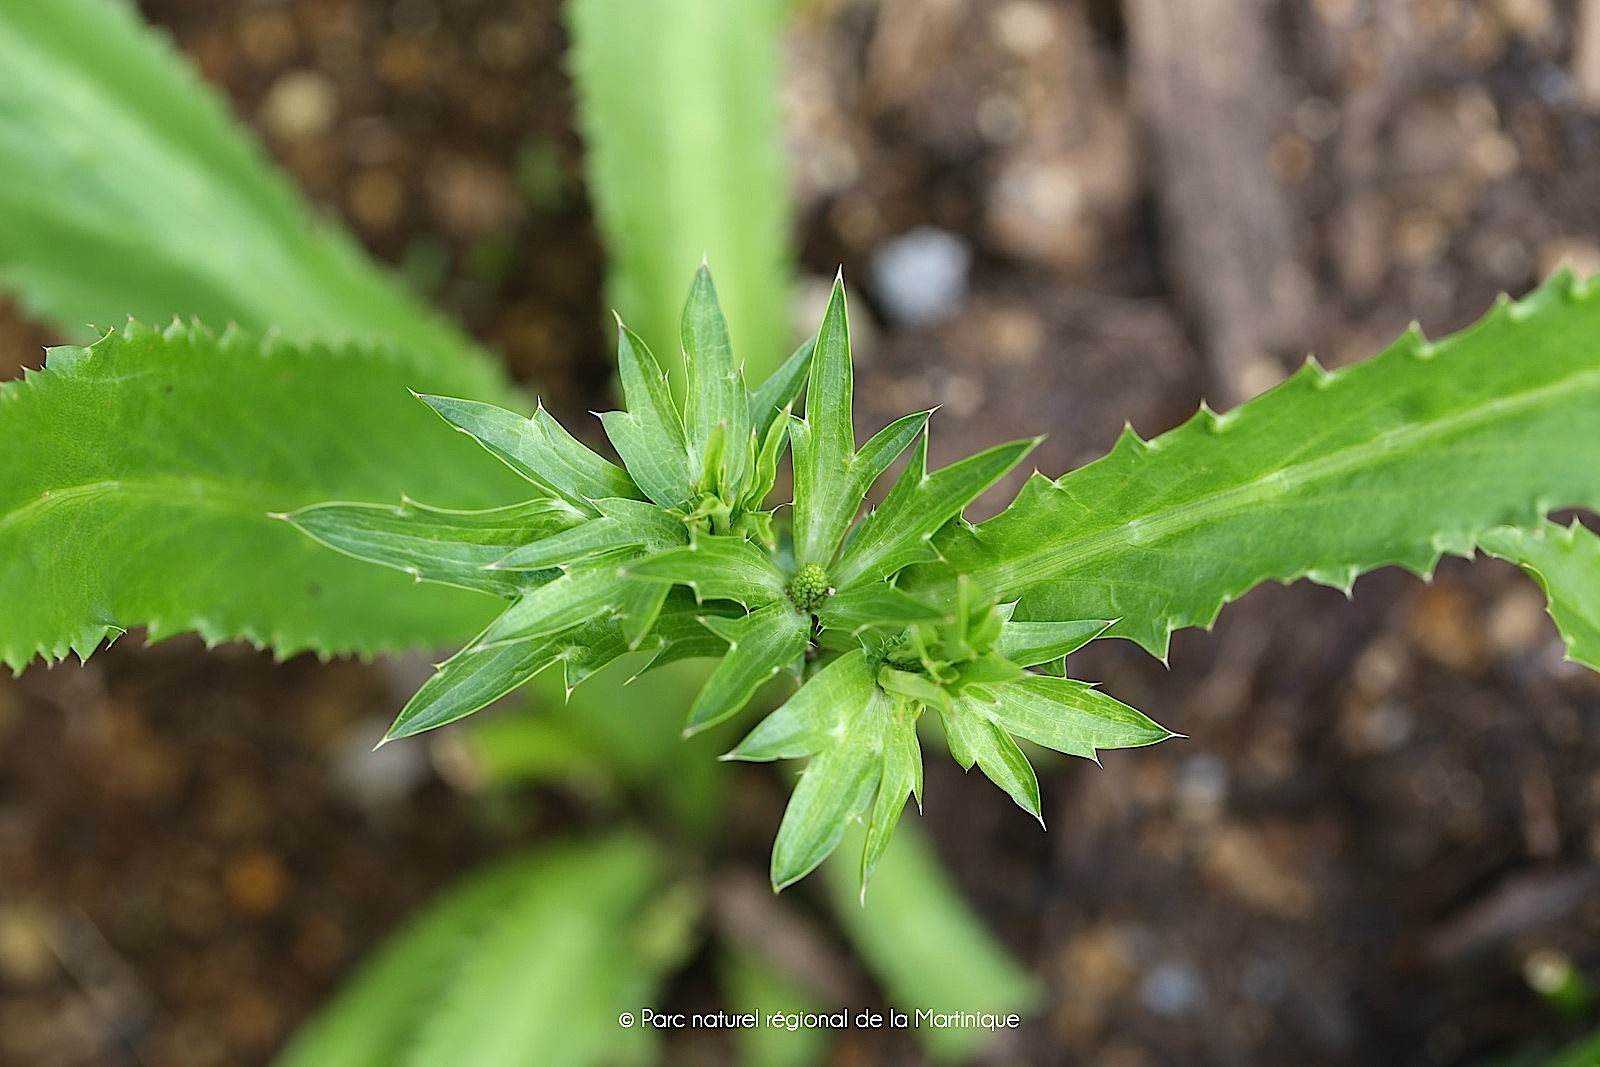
x,y
810,586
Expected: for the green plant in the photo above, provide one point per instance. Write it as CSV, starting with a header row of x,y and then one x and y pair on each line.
x,y
908,609
154,460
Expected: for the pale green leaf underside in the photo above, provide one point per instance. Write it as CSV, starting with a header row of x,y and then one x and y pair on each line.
x,y
144,470
130,192
1565,561
1393,461
679,109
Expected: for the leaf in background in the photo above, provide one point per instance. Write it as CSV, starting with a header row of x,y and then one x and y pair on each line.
x,y
538,448
143,471
372,1019
755,985
130,192
1394,461
923,942
530,960
717,400
437,544
649,435
1565,561
678,104
760,645
898,531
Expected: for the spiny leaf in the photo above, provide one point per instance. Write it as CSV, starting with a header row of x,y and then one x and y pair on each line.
x,y
1394,461
901,777
975,737
649,435
586,590
897,533
1565,561
878,604
1030,643
760,645
1066,715
437,544
717,568
836,787
537,448
717,405
144,471
130,191
621,526
825,442
780,391
370,1021
806,721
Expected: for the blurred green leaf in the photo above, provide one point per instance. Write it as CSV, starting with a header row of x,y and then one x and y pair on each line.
x,y
678,104
130,192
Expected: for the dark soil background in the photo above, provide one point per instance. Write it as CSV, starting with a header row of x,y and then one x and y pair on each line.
x,y
1387,808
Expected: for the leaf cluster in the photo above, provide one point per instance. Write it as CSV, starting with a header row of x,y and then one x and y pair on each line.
x,y
676,553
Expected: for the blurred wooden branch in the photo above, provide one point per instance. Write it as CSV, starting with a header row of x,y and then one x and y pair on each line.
x,y
1207,87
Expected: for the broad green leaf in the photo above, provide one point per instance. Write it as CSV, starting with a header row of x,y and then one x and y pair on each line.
x,y
649,435
1070,716
717,568
537,448
1397,460
975,737
437,544
678,104
780,391
898,532
836,787
144,472
878,604
545,982
923,942
129,191
760,645
1565,561
372,1020
717,397
1030,643
806,721
901,777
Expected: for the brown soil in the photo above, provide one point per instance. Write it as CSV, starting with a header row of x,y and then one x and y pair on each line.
x,y
1385,805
